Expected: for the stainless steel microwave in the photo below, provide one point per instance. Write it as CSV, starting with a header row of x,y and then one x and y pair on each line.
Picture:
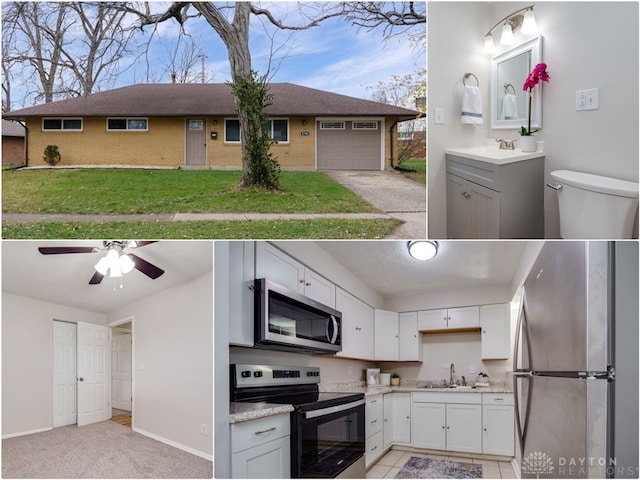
x,y
287,320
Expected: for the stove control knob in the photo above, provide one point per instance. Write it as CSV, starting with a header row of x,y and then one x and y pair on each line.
x,y
257,374
245,373
316,374
309,374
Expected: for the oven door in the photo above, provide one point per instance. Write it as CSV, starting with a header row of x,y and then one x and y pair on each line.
x,y
326,442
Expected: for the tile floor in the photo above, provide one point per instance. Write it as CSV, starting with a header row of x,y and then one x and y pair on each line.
x,y
391,463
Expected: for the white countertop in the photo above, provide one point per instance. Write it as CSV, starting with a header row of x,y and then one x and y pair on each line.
x,y
492,154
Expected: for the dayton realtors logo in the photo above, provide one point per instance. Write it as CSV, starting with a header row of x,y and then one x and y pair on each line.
x,y
537,463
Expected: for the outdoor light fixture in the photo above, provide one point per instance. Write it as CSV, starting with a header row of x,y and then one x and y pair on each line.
x,y
422,249
526,22
115,263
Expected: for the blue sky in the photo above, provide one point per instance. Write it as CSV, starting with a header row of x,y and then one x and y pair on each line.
x,y
333,56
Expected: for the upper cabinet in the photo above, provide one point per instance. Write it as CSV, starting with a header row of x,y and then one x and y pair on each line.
x,y
409,340
357,326
387,345
449,319
280,268
241,277
495,325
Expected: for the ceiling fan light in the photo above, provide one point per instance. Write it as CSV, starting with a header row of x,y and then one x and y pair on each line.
x,y
102,266
423,249
126,264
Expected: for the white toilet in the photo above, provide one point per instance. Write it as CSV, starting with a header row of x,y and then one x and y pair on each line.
x,y
593,206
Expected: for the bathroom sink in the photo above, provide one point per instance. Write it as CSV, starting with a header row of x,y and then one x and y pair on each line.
x,y
492,154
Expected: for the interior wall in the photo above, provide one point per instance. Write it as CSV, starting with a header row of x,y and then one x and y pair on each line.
x,y
578,41
456,30
173,364
27,360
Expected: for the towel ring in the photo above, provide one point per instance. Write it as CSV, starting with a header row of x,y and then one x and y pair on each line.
x,y
467,75
506,88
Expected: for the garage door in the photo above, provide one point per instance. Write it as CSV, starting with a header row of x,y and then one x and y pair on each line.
x,y
349,145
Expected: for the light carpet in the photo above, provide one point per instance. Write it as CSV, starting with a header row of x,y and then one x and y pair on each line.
x,y
100,450
431,468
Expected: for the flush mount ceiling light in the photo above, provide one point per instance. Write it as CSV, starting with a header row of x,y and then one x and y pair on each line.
x,y
526,22
422,249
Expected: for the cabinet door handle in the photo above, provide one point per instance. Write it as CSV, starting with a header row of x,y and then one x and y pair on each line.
x,y
373,421
272,429
308,284
374,447
499,399
358,328
465,195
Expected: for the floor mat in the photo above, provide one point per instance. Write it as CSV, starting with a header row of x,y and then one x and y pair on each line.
x,y
431,468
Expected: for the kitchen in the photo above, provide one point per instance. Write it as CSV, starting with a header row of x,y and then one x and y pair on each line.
x,y
380,308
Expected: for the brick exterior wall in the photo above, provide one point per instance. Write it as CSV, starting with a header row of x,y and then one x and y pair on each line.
x,y
164,144
12,150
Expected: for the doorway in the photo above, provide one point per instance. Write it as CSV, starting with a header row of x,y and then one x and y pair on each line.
x,y
122,371
81,370
196,142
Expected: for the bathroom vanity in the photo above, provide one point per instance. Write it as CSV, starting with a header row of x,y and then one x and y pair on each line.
x,y
493,193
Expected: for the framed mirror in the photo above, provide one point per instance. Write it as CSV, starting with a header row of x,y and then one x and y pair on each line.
x,y
509,103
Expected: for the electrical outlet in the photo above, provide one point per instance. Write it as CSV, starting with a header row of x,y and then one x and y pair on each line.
x,y
203,429
587,100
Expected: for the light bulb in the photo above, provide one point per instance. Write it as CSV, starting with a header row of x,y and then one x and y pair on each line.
x,y
423,250
489,46
102,266
529,24
507,35
126,264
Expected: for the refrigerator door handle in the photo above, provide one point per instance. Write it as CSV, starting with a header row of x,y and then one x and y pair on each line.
x,y
518,373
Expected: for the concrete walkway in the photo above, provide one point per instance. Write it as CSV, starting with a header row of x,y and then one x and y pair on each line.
x,y
392,193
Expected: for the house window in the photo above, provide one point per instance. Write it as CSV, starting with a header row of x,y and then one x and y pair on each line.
x,y
331,125
405,136
279,130
232,131
69,124
124,124
365,125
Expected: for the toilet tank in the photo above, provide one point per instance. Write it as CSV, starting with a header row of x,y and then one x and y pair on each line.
x,y
594,206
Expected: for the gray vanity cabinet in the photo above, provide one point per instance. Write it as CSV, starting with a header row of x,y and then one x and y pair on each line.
x,y
495,199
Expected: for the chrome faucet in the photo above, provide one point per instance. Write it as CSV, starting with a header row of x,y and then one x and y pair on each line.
x,y
505,144
464,381
451,372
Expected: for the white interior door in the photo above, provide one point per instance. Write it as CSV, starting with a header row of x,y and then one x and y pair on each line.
x,y
94,346
121,372
64,374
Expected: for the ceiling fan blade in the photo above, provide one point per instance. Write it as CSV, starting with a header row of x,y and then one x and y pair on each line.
x,y
60,250
145,267
96,279
142,243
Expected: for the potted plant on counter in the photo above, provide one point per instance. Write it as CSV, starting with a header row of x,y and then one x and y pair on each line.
x,y
482,379
538,74
395,379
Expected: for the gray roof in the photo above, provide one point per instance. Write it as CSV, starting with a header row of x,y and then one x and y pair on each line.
x,y
209,99
12,129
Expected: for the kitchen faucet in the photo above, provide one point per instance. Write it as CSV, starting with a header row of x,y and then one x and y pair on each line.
x,y
451,372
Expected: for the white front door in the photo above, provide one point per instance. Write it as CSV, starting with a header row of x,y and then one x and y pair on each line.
x,y
64,374
121,372
93,373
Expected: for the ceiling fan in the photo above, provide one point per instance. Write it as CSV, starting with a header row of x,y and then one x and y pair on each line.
x,y
115,263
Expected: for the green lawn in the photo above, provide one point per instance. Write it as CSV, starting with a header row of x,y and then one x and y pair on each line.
x,y
277,229
418,164
133,191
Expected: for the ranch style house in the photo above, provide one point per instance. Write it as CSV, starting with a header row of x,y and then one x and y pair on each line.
x,y
196,124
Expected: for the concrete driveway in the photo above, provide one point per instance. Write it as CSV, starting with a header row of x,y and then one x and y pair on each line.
x,y
392,193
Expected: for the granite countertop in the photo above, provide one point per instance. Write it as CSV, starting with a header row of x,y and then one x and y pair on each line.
x,y
360,387
243,412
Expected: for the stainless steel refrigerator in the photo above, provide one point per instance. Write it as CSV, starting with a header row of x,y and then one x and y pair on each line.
x,y
564,363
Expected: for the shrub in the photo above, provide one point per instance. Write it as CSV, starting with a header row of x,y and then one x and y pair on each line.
x,y
52,155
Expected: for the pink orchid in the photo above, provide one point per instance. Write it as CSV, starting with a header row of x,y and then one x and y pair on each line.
x,y
537,75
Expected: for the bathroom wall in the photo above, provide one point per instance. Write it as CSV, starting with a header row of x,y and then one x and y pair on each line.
x,y
586,45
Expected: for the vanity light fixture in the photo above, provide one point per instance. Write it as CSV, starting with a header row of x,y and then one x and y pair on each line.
x,y
526,22
422,249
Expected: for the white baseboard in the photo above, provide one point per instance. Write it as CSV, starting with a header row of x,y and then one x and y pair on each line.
x,y
516,467
200,454
28,432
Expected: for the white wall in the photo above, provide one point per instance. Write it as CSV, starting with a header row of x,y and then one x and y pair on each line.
x,y
585,45
456,31
27,360
173,338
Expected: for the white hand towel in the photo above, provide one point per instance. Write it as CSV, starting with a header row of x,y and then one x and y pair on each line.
x,y
509,107
471,106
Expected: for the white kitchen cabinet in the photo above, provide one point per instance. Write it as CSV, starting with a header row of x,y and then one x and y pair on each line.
x,y
277,266
495,327
388,414
489,200
498,424
373,428
428,425
449,318
410,346
397,418
386,339
241,279
464,428
261,448
357,326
